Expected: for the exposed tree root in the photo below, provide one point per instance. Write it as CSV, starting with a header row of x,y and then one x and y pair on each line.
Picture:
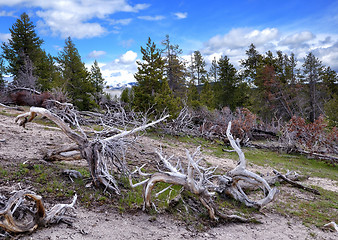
x,y
20,216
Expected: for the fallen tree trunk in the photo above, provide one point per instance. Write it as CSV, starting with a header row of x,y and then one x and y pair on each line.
x,y
102,155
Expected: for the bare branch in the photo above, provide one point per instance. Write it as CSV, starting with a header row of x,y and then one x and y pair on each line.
x,y
38,217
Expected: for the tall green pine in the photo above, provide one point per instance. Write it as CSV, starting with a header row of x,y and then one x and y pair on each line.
x,y
229,90
152,89
75,76
23,47
97,80
175,71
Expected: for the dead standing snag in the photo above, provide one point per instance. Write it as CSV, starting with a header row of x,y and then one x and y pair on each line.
x,y
101,154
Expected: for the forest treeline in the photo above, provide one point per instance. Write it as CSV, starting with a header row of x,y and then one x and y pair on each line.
x,y
274,86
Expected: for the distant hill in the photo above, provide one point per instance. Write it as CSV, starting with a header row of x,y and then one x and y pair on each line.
x,y
115,91
122,86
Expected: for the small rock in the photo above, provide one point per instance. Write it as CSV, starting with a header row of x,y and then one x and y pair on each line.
x,y
72,173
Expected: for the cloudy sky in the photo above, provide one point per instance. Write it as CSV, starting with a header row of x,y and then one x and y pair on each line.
x,y
112,31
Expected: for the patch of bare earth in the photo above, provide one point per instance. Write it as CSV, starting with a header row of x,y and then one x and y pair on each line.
x,y
19,145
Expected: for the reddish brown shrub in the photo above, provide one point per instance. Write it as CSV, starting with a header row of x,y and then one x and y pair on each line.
x,y
26,98
313,137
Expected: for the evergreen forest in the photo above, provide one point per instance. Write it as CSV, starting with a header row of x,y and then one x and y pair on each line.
x,y
276,87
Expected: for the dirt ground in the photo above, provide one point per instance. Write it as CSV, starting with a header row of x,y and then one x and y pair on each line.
x,y
18,145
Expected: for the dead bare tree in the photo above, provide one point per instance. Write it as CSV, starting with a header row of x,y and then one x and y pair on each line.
x,y
102,155
20,215
204,183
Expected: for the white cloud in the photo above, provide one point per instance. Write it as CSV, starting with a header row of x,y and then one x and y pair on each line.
x,y
235,43
5,36
73,17
242,37
297,38
121,70
181,15
125,21
128,57
152,18
328,55
127,43
4,13
96,54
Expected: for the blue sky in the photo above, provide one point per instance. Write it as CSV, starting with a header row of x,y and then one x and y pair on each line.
x,y
112,31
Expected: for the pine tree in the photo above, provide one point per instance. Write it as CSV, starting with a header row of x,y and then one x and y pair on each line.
x,y
152,90
207,96
312,69
330,79
149,76
47,75
213,70
75,76
97,80
174,67
25,76
193,96
23,48
229,89
2,73
251,64
198,67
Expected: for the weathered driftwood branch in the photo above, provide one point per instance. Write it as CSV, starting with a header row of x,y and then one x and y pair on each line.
x,y
230,183
9,107
102,155
201,182
298,185
18,217
197,180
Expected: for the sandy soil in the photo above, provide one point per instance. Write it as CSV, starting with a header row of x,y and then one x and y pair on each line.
x,y
20,145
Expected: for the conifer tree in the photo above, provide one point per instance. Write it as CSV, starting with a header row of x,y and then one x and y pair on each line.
x,y
198,68
207,96
193,96
97,80
47,75
152,90
251,64
229,90
25,76
213,70
23,48
312,69
174,67
2,73
75,76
